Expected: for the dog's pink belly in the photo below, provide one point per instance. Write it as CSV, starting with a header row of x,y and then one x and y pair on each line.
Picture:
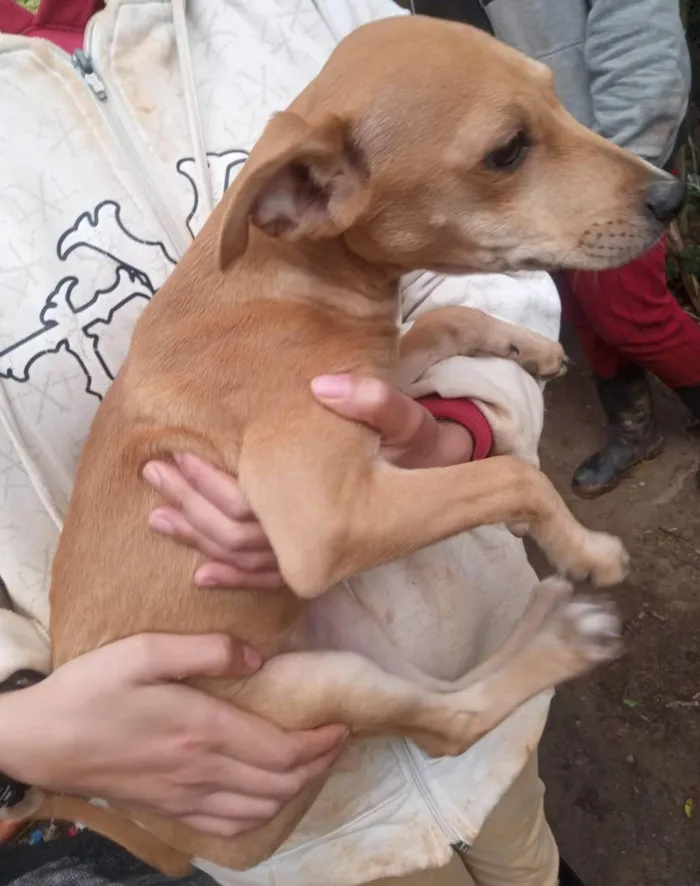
x,y
413,613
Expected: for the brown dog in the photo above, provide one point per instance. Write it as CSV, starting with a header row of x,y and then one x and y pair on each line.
x,y
421,144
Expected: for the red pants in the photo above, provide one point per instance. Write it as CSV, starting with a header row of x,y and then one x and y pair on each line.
x,y
628,315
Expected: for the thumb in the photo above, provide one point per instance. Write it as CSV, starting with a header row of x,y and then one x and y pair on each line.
x,y
359,397
152,658
396,417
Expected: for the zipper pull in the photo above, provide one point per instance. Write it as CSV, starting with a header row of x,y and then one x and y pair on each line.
x,y
83,65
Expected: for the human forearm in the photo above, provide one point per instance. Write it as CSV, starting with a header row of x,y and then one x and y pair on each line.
x,y
113,724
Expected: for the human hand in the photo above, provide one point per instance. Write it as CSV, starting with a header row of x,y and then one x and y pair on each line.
x,y
208,510
112,724
411,437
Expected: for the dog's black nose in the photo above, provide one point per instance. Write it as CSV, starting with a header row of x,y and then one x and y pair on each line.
x,y
664,198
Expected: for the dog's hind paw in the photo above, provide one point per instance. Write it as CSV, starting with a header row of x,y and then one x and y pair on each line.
x,y
589,628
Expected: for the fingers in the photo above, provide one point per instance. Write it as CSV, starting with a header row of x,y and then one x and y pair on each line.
x,y
225,575
411,436
252,740
256,795
219,527
254,570
217,487
232,775
308,745
178,525
151,658
400,420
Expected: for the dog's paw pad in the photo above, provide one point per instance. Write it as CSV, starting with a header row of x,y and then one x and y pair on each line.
x,y
593,627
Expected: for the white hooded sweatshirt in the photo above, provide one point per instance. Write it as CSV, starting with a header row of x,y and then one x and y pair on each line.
x,y
108,167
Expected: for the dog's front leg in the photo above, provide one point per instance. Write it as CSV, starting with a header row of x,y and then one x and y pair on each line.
x,y
331,509
454,331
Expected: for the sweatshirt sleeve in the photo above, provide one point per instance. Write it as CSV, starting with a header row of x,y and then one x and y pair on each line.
x,y
510,399
23,645
27,540
639,68
466,413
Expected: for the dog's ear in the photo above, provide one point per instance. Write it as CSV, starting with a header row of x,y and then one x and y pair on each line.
x,y
300,181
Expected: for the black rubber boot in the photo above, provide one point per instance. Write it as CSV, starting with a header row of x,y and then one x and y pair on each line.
x,y
566,876
690,396
633,436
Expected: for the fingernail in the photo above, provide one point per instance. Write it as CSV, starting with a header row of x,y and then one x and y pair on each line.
x,y
333,387
204,580
161,524
151,473
252,658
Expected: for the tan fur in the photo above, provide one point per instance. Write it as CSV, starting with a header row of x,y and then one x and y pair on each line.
x,y
377,169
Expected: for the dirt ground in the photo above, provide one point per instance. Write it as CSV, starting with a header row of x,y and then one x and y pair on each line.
x,y
621,757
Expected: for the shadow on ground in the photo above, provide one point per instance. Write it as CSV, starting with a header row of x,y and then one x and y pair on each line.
x,y
621,756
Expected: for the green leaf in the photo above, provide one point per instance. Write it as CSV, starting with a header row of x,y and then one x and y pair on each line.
x,y
630,702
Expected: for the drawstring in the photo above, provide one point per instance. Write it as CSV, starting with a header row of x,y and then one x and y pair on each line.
x,y
193,119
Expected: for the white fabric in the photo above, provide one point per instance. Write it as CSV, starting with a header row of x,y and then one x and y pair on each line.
x,y
97,202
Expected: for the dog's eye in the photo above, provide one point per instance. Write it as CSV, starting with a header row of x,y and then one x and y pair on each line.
x,y
510,156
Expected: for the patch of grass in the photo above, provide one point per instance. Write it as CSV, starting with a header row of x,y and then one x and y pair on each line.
x,y
31,5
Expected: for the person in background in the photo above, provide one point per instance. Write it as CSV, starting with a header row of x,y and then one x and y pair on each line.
x,y
621,67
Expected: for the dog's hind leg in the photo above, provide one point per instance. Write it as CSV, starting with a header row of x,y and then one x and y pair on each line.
x,y
557,639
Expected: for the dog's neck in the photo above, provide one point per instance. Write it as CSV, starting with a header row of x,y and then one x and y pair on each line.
x,y
324,272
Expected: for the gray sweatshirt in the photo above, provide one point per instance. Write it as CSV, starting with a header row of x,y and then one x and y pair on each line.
x,y
621,67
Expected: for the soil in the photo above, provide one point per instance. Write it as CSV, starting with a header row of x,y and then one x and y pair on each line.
x,y
621,756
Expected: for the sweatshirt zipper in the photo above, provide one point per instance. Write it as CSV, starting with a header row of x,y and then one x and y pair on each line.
x,y
121,132
408,756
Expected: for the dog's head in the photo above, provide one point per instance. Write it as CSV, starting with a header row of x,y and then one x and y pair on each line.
x,y
429,144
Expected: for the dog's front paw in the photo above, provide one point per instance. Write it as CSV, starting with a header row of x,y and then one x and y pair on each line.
x,y
600,558
589,628
540,357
